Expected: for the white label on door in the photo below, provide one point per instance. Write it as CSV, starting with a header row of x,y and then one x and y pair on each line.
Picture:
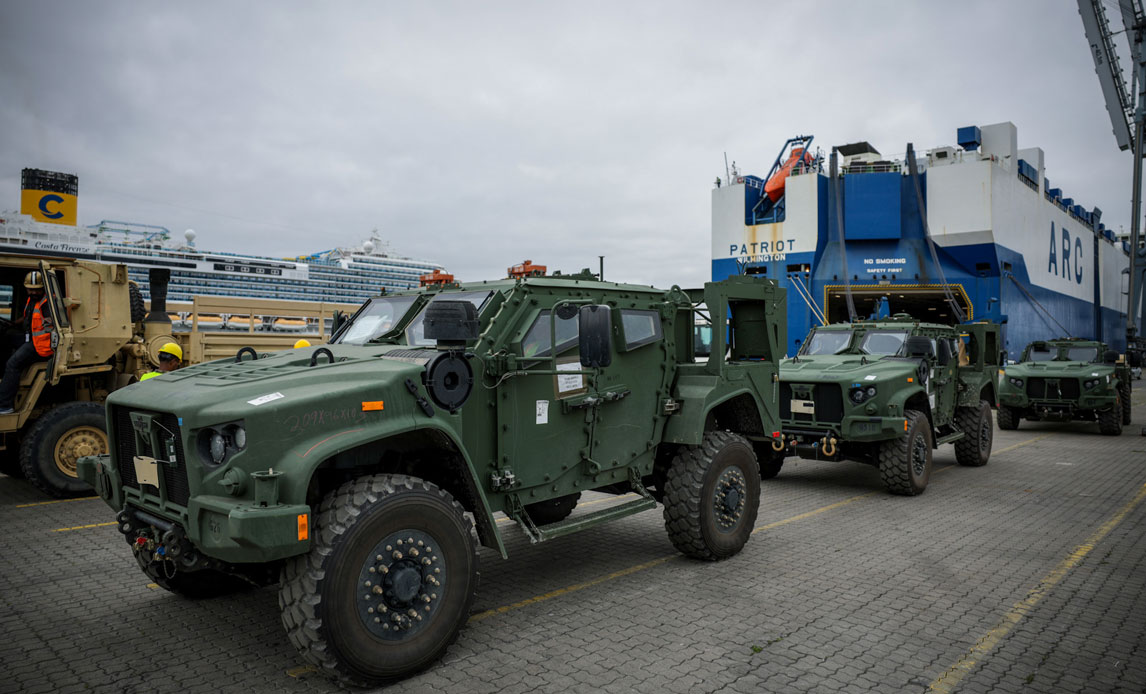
x,y
572,381
542,411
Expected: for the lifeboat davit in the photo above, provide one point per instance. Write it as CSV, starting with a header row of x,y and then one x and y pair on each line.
x,y
774,188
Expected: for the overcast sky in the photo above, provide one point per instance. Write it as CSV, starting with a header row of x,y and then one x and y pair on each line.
x,y
481,134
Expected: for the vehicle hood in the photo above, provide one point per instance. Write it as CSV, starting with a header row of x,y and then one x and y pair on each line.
x,y
224,389
1058,369
831,368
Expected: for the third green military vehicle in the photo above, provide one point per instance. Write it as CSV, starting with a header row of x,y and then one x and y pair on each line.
x,y
350,473
886,392
1066,379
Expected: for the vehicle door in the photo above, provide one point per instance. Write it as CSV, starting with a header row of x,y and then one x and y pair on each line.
x,y
631,391
944,379
544,410
62,333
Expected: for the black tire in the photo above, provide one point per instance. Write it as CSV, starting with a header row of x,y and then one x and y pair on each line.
x,y
771,460
1008,418
974,449
193,585
712,496
62,436
1124,395
1110,421
325,598
138,308
905,462
552,510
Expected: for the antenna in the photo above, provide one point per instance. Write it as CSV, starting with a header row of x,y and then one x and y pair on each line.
x,y
834,175
727,175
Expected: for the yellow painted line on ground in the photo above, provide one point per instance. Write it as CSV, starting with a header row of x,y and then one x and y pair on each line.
x,y
83,527
809,514
955,674
301,670
1020,444
570,589
57,501
153,586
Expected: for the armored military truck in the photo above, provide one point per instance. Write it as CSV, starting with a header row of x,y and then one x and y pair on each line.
x,y
350,472
1066,379
887,392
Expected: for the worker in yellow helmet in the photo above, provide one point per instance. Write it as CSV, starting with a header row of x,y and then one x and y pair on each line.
x,y
302,343
170,358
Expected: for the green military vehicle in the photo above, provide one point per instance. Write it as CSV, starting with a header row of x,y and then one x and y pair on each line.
x,y
1063,380
886,392
349,472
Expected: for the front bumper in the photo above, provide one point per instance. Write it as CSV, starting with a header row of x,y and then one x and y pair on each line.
x,y
1085,401
852,428
237,531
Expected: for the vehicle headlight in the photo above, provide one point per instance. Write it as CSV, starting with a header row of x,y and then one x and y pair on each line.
x,y
219,443
1091,384
860,395
1016,382
218,448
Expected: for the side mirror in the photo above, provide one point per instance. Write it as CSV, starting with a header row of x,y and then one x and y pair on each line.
x,y
944,356
451,324
1002,356
918,346
337,321
595,335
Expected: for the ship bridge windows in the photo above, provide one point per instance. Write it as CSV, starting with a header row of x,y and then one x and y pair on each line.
x,y
921,302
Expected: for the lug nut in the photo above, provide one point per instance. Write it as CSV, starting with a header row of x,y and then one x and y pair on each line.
x,y
420,543
396,555
377,590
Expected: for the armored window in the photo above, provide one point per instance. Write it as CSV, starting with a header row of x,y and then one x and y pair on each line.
x,y
826,342
883,342
640,327
1040,353
536,341
1089,354
376,318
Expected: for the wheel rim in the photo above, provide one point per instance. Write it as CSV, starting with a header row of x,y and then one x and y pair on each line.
x,y
77,443
918,455
401,585
729,498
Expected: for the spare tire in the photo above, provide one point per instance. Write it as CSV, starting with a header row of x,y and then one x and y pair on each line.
x,y
138,309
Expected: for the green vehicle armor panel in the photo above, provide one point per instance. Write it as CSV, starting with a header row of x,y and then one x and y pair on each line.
x,y
349,473
1066,379
886,392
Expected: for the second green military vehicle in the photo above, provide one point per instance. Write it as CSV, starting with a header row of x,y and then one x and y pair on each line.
x,y
350,473
1066,379
886,392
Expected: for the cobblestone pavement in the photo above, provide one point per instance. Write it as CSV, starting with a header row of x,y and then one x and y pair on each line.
x,y
1026,575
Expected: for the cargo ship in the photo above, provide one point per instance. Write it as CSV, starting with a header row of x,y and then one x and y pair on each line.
x,y
992,240
45,226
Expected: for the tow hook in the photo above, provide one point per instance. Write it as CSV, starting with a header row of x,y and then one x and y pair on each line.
x,y
829,446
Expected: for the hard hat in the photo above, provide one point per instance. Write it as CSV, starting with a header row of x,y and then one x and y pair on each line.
x,y
172,349
302,343
34,280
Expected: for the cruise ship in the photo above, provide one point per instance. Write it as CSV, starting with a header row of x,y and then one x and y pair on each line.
x,y
340,275
993,239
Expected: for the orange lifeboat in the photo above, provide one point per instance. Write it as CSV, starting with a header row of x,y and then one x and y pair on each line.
x,y
774,188
436,278
526,269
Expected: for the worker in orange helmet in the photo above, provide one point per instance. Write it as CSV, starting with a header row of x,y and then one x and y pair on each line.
x,y
39,340
170,358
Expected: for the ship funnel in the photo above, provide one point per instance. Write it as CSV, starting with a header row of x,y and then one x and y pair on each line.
x,y
157,279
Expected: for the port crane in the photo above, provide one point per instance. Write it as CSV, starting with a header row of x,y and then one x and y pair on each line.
x,y
1127,108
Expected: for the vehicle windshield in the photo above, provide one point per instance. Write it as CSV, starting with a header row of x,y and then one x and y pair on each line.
x,y
415,332
376,318
887,342
827,342
1043,353
1081,353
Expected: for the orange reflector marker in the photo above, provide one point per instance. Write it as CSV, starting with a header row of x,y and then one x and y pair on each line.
x,y
905,425
303,527
910,379
372,406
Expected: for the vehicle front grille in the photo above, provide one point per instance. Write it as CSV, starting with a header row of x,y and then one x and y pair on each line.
x,y
1038,388
829,400
173,478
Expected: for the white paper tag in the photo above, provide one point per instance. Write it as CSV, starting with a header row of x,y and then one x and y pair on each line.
x,y
870,377
931,400
263,399
804,406
542,411
570,382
